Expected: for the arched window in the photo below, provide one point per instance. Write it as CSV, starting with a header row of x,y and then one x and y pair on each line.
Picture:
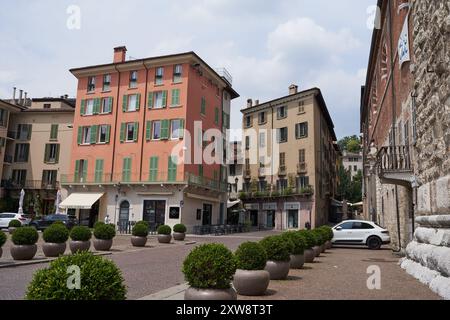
x,y
124,213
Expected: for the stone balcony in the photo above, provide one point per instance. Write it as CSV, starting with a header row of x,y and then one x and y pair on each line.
x,y
395,166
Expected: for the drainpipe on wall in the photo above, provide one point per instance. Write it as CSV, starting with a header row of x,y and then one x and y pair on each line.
x,y
144,122
115,124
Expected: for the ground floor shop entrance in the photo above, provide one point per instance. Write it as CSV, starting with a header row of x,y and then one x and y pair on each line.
x,y
154,213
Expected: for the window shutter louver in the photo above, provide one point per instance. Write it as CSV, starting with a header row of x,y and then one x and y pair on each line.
x,y
150,100
181,128
80,135
122,132
164,99
148,131
136,131
110,104
138,101
76,171
83,107
125,103
108,133
47,153
164,129
85,168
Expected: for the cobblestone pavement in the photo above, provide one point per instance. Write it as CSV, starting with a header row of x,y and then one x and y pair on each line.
x,y
339,274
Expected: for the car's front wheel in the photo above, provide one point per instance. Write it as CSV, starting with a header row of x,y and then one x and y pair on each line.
x,y
374,243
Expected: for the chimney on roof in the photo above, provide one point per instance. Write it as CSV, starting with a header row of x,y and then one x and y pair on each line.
x,y
14,95
293,89
256,102
20,96
66,96
25,100
249,103
120,54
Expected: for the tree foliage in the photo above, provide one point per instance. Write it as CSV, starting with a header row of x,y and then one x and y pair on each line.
x,y
350,144
348,189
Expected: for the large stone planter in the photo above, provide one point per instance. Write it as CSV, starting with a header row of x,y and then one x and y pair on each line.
x,y
1,252
164,238
297,261
79,246
178,236
103,245
328,245
53,250
26,252
138,241
309,255
278,270
322,248
317,251
210,294
251,282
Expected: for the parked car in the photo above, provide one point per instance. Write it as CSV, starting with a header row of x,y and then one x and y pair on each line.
x,y
6,217
47,221
360,232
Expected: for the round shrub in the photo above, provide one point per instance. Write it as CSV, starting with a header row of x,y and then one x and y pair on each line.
x,y
56,233
286,237
58,222
250,256
164,229
277,248
140,230
14,224
328,231
310,239
25,236
179,228
80,233
104,232
101,279
319,237
209,266
2,238
298,242
98,223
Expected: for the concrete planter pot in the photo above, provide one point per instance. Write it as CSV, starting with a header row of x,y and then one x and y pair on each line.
x,y
138,241
210,294
328,245
164,238
278,270
79,246
317,251
309,255
53,250
1,252
178,236
25,252
103,245
322,248
251,282
297,261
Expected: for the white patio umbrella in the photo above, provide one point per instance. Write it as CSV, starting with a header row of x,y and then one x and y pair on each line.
x,y
58,202
22,196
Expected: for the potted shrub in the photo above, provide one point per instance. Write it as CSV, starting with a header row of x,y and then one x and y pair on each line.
x,y
179,232
209,269
250,278
310,242
80,239
139,234
2,241
55,238
328,231
319,242
297,250
24,240
13,225
100,278
278,257
164,234
104,234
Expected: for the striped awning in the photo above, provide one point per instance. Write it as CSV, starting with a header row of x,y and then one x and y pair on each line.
x,y
80,200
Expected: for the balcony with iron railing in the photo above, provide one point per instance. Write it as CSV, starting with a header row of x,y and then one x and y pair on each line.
x,y
394,164
302,168
282,171
274,193
29,185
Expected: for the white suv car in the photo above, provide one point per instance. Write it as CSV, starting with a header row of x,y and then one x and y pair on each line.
x,y
360,232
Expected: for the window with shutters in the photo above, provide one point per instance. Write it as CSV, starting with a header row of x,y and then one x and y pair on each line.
x,y
301,130
175,129
133,102
54,132
86,137
248,121
302,182
153,176
103,133
91,84
172,169
203,106
19,177
98,174
301,107
106,82
3,117
131,132
281,112
49,178
24,132
262,118
21,153
175,98
159,100
81,168
282,159
159,76
282,135
126,170
89,109
51,153
302,156
247,143
165,130
106,105
262,139
133,79
156,130
177,73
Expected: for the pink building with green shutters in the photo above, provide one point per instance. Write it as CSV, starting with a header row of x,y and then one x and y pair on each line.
x,y
130,116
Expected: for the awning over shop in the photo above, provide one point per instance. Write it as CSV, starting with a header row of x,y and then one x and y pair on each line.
x,y
231,204
80,200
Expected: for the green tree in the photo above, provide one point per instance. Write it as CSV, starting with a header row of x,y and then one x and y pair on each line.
x,y
348,189
350,144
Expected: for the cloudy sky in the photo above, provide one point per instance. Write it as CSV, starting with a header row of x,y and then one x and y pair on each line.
x,y
265,45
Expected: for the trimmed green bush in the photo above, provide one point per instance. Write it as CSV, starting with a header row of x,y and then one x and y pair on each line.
x,y
250,256
328,231
209,266
3,238
101,279
98,223
164,229
56,233
179,228
289,242
58,222
310,239
104,232
14,224
25,236
80,233
277,248
319,237
297,240
140,230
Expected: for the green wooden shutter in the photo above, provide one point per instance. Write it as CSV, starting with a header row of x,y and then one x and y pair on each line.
x,y
80,135
136,131
175,97
148,131
153,176
76,176
165,129
97,102
216,116
99,170
94,130
138,101
123,128
30,128
125,103
110,104
58,148
83,107
108,133
164,99
54,132
150,100
172,172
47,153
126,176
181,128
85,168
